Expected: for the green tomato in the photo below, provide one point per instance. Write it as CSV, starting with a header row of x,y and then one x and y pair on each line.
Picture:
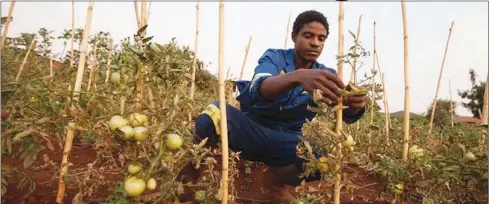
x,y
117,121
469,156
128,132
151,184
323,165
174,142
134,186
134,168
115,78
140,133
348,142
137,119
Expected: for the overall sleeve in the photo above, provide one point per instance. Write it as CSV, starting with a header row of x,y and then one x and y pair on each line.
x,y
267,67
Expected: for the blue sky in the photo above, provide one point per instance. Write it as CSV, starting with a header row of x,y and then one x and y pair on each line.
x,y
428,24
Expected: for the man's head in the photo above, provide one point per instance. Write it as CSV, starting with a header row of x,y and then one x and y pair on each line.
x,y
309,33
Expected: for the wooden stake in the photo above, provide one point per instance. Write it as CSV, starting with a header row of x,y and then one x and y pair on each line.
x,y
385,109
245,57
9,18
51,67
484,107
451,102
353,75
339,113
406,83
92,66
384,90
433,106
287,33
194,64
222,107
72,57
83,53
109,59
138,18
373,80
25,58
141,67
64,162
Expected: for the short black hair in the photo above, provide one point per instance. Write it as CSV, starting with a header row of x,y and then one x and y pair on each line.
x,y
308,17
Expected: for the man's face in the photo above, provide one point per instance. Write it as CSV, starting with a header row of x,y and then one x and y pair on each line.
x,y
309,42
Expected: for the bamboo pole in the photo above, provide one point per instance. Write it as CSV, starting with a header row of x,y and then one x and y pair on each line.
x,y
373,79
287,33
141,67
138,18
385,109
51,67
9,18
245,57
92,66
25,58
83,53
72,57
222,107
433,106
339,113
109,60
451,102
406,83
384,90
353,75
484,107
194,63
64,162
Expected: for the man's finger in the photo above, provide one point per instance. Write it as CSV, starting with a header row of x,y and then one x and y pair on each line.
x,y
335,79
327,93
331,86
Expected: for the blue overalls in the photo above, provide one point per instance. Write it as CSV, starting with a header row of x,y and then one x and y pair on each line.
x,y
265,131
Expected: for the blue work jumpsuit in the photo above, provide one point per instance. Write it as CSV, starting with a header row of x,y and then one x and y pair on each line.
x,y
265,131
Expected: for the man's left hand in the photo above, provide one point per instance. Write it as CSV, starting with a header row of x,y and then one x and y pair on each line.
x,y
355,102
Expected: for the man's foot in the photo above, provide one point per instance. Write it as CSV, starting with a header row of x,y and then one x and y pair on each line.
x,y
275,180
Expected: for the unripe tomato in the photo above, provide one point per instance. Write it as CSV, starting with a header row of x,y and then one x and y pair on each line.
x,y
151,184
174,142
140,133
137,119
134,186
134,168
117,121
115,78
128,132
469,156
323,165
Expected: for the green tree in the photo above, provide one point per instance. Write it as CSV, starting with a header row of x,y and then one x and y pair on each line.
x,y
442,112
474,95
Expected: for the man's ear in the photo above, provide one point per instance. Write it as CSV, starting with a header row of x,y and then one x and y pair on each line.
x,y
294,37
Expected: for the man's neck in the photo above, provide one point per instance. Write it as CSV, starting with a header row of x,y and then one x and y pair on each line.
x,y
301,63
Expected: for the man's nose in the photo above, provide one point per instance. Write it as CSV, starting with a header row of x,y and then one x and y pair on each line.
x,y
314,42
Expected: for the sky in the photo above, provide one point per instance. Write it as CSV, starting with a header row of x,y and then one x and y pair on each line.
x,y
427,23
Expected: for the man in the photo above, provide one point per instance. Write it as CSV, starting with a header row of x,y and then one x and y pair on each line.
x,y
274,105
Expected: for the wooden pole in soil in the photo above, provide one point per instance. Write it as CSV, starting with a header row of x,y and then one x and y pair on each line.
x,y
9,18
353,75
72,57
109,60
451,102
92,66
385,109
194,64
384,90
339,113
83,53
141,66
433,106
77,89
484,107
138,18
25,59
244,61
287,33
406,83
373,80
64,162
222,107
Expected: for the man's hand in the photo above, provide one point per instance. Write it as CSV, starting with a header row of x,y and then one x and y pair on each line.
x,y
327,82
355,102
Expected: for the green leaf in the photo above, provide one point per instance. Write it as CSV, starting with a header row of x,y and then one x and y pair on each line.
x,y
142,29
145,40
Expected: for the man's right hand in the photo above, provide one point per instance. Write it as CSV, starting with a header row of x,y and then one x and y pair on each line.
x,y
327,82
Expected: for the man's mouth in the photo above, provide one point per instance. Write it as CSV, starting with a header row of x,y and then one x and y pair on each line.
x,y
312,53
